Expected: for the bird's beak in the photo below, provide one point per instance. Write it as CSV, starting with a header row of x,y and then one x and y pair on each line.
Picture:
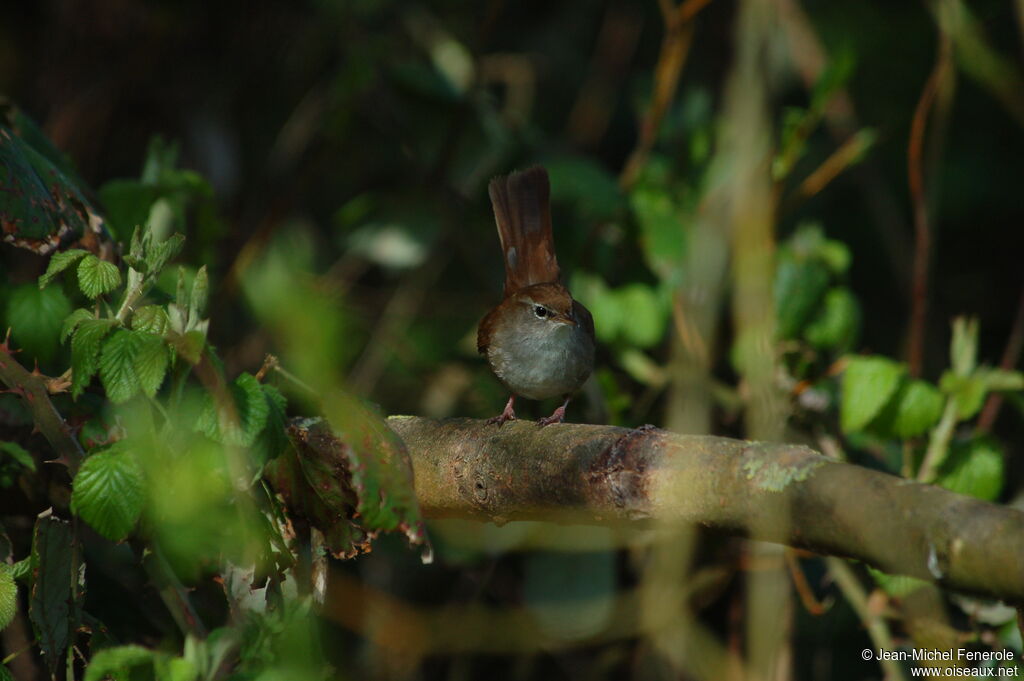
x,y
565,319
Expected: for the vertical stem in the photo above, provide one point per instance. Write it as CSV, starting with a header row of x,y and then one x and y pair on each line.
x,y
922,227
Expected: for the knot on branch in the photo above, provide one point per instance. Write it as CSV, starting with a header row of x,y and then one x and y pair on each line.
x,y
618,472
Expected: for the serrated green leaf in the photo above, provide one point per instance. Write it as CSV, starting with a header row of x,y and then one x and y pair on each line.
x,y
200,291
22,570
975,468
51,604
19,454
5,673
251,409
85,350
151,359
151,318
34,317
161,253
835,326
117,365
116,661
867,385
273,439
60,262
8,596
107,493
72,321
97,277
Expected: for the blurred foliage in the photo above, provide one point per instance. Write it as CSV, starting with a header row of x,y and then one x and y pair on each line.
x,y
324,200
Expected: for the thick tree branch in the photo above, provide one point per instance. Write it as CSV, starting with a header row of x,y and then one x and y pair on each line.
x,y
773,492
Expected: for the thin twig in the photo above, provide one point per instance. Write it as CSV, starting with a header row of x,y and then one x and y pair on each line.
x,y
810,602
876,626
1011,355
922,228
675,46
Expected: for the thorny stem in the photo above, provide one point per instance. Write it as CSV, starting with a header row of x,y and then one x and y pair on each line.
x,y
32,388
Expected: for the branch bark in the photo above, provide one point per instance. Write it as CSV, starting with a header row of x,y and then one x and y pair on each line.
x,y
788,494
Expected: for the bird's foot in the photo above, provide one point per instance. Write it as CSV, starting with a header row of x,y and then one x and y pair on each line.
x,y
557,417
508,414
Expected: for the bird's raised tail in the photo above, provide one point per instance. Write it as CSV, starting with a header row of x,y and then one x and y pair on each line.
x,y
523,214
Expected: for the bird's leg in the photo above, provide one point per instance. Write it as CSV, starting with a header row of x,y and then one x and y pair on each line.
x,y
508,414
558,416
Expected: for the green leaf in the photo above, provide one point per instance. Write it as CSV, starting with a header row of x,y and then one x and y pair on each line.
x,y
72,321
867,385
5,673
273,439
200,291
1001,380
161,253
117,661
918,408
250,407
22,570
40,203
97,277
963,347
151,359
836,324
975,468
799,288
34,317
169,668
897,586
151,318
662,232
60,262
968,392
107,493
8,595
85,350
19,454
643,315
51,603
117,365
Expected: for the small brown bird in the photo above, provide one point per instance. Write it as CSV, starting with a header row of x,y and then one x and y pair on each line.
x,y
538,341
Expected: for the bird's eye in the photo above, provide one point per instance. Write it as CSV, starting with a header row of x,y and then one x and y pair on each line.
x,y
540,311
